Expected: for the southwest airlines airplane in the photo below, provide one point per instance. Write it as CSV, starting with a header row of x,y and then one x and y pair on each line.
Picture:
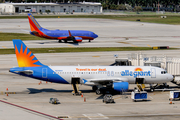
x,y
117,78
65,35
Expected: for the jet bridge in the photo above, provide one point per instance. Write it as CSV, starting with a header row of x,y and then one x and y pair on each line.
x,y
121,62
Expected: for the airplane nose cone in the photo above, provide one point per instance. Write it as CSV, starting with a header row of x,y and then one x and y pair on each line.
x,y
95,36
171,77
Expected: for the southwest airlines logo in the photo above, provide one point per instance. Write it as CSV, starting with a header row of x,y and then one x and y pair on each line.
x,y
135,73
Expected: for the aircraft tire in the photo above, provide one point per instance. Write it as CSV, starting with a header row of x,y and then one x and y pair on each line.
x,y
152,90
98,92
59,41
94,88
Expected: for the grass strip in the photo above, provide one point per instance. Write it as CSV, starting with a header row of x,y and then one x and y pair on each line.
x,y
64,50
170,19
22,36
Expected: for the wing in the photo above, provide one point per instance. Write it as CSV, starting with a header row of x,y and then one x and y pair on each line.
x,y
104,81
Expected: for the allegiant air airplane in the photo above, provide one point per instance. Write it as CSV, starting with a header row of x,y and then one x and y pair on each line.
x,y
65,35
117,78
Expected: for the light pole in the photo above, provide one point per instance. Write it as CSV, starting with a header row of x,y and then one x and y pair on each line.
x,y
158,5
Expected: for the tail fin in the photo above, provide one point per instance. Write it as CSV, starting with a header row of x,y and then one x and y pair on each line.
x,y
25,57
34,25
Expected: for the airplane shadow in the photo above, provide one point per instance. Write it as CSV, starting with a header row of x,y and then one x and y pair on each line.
x,y
72,43
58,42
48,90
142,100
34,91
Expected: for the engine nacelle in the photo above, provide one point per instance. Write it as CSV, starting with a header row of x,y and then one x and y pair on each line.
x,y
78,39
120,86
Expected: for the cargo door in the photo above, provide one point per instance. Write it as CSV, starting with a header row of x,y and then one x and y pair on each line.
x,y
44,73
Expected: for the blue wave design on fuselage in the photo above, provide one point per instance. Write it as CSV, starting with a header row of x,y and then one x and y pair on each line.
x,y
51,76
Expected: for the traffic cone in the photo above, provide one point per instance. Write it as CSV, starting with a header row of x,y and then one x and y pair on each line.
x,y
170,101
46,82
7,93
81,95
84,99
6,89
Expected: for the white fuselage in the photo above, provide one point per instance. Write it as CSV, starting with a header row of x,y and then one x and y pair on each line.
x,y
130,74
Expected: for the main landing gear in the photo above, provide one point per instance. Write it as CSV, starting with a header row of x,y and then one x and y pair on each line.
x,y
96,89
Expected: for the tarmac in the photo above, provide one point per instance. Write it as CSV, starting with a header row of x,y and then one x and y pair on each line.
x,y
32,95
112,33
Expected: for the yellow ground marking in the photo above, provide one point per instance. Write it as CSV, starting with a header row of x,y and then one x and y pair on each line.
x,y
175,46
128,43
134,45
70,46
10,92
4,47
124,42
148,45
95,56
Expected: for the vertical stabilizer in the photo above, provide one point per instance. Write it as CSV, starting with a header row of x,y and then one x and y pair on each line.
x,y
34,25
25,57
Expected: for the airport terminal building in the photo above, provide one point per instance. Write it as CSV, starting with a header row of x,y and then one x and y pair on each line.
x,y
46,8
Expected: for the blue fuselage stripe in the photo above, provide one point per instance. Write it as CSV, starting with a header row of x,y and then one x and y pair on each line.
x,y
42,73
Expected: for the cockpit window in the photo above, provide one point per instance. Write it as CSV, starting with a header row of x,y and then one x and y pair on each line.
x,y
163,72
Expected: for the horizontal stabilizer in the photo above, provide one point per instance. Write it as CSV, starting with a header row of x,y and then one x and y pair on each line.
x,y
20,70
27,72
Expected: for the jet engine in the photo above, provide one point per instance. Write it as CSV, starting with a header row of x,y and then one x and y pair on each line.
x,y
78,39
120,86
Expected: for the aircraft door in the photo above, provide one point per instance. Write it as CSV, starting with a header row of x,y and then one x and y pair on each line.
x,y
153,73
108,73
44,73
139,81
112,73
75,80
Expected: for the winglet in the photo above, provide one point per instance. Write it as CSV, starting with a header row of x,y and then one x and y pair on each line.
x,y
34,25
25,57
